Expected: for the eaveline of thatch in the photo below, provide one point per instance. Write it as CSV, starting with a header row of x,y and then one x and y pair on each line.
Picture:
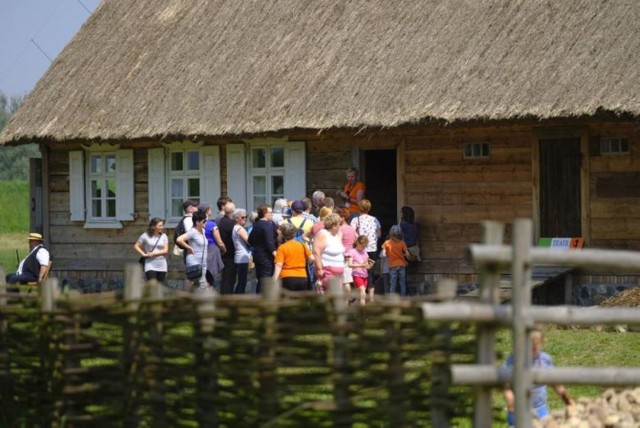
x,y
154,68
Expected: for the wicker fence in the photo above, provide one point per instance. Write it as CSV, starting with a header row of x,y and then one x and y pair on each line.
x,y
156,357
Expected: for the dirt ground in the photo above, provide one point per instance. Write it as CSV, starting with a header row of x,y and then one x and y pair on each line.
x,y
628,298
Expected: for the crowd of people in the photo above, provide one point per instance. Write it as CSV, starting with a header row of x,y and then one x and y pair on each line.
x,y
303,243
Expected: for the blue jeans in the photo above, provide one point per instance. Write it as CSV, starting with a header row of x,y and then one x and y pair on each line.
x,y
243,273
398,275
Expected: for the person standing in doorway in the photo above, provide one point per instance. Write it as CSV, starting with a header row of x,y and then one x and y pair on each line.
x,y
352,193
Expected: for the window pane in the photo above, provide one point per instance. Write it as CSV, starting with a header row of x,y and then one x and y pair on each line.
x,y
258,200
96,208
259,185
624,146
177,190
277,157
96,189
193,161
111,188
111,163
258,157
96,164
176,208
194,188
177,161
111,208
277,184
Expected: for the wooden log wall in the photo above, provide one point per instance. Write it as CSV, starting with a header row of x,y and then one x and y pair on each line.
x,y
451,195
614,186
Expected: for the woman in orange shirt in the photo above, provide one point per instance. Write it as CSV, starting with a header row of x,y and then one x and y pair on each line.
x,y
352,193
292,258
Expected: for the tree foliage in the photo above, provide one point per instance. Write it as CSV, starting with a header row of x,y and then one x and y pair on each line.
x,y
14,161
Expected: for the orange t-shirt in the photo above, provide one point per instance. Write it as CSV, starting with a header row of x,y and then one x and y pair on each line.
x,y
395,251
352,192
293,255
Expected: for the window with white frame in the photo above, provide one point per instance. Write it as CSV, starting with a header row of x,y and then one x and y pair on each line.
x,y
101,186
184,178
267,174
614,146
180,171
263,170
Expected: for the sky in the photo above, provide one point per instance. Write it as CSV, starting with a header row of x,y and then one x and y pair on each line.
x,y
51,24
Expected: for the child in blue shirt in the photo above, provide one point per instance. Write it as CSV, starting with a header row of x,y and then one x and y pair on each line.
x,y
539,393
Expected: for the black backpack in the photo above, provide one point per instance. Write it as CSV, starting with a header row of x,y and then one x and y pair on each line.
x,y
180,230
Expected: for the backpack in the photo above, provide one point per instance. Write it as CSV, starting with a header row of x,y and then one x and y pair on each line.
x,y
180,230
299,230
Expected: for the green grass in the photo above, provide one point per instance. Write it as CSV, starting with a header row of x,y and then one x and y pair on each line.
x,y
14,222
14,206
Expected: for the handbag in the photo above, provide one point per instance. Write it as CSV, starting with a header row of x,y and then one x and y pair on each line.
x,y
193,272
142,259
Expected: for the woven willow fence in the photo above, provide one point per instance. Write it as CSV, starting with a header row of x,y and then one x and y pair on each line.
x,y
160,358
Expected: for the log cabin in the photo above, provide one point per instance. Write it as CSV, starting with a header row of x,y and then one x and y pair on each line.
x,y
465,111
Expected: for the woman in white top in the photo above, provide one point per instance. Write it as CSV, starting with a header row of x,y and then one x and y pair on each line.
x,y
153,245
328,251
195,244
242,256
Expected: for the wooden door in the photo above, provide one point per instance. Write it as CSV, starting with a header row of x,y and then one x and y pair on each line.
x,y
560,162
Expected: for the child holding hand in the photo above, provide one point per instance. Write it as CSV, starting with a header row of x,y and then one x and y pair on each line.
x,y
396,252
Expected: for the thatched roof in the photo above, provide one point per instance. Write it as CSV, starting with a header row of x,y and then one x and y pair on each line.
x,y
153,68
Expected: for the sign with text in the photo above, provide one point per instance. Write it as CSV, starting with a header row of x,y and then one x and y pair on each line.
x,y
561,243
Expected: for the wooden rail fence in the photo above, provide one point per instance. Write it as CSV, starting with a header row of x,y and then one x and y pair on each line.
x,y
490,259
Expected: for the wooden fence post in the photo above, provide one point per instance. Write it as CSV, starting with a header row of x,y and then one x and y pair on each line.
x,y
268,394
492,234
6,389
156,355
440,362
397,387
49,291
521,268
133,286
206,360
341,396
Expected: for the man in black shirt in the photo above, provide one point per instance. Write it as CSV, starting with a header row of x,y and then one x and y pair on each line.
x,y
225,227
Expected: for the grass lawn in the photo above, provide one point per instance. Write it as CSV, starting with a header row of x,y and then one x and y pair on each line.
x,y
14,222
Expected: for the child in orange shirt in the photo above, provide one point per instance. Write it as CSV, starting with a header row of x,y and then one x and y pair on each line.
x,y
396,252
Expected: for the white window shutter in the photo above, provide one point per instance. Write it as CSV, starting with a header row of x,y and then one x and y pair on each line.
x,y
157,183
125,199
76,185
295,177
210,175
237,174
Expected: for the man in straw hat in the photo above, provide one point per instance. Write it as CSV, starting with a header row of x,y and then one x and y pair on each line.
x,y
34,266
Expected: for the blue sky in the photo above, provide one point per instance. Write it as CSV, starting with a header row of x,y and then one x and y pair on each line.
x,y
50,23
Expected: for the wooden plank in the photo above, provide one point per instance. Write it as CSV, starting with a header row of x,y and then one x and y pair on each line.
x,y
615,208
585,213
455,157
621,228
535,181
472,213
467,198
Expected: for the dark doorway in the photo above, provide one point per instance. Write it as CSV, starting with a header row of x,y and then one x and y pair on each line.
x,y
560,161
380,174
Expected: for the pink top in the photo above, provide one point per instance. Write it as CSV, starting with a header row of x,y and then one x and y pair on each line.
x,y
348,236
358,257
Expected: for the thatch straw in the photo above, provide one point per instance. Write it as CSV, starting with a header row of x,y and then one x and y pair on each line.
x,y
154,68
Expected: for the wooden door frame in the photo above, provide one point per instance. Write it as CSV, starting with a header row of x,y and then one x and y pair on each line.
x,y
542,133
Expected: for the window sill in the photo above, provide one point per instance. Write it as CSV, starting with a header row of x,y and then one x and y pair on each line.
x,y
113,224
